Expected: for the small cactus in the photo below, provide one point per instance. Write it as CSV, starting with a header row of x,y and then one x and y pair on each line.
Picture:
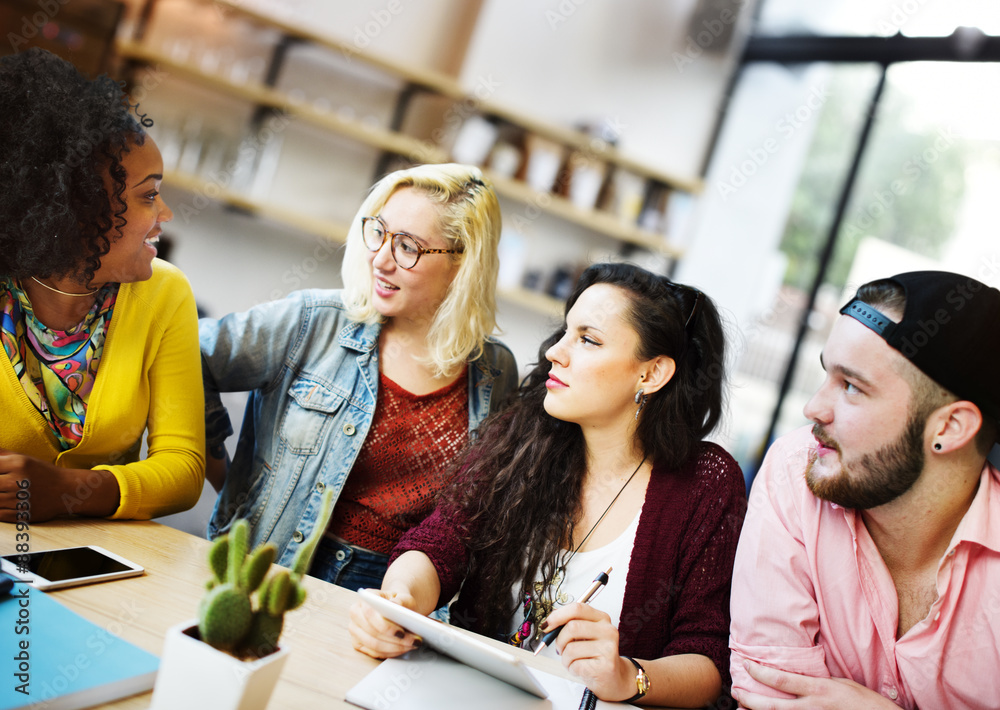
x,y
243,610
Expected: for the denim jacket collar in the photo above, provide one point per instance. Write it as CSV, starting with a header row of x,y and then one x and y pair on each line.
x,y
362,337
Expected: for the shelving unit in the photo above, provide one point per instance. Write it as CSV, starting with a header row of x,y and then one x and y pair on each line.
x,y
261,95
392,142
599,221
448,87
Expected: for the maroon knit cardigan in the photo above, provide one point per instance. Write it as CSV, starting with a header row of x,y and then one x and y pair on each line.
x,y
677,590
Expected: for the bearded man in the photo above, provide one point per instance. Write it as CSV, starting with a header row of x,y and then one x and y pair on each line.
x,y
868,569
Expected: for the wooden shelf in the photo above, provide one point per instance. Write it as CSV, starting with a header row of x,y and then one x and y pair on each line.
x,y
397,143
430,80
599,221
588,145
390,141
533,300
329,229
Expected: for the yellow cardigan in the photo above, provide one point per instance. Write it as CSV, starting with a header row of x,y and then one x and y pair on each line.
x,y
149,377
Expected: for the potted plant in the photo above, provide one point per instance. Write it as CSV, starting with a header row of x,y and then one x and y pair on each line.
x,y
229,657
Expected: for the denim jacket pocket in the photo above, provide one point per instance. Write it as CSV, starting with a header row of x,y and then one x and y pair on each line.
x,y
308,415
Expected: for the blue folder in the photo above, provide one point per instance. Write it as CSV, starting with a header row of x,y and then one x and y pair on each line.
x,y
53,657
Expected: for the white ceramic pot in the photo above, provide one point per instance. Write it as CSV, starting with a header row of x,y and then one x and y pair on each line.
x,y
194,675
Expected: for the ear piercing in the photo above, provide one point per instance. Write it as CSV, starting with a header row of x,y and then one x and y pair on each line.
x,y
640,399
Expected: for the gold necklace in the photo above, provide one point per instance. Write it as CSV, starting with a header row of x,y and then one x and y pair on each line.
x,y
65,293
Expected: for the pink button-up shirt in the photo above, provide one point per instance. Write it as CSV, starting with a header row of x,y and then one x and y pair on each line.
x,y
812,595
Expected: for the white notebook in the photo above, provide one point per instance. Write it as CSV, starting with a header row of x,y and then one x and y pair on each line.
x,y
426,680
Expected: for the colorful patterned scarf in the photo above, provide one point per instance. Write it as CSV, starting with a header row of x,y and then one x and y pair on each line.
x,y
56,368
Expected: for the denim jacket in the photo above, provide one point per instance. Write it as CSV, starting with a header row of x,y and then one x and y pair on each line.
x,y
313,376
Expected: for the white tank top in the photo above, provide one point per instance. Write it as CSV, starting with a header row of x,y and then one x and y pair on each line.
x,y
580,573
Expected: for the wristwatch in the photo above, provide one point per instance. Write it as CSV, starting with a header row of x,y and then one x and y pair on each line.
x,y
642,683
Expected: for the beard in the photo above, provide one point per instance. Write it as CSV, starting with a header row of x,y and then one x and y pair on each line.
x,y
877,478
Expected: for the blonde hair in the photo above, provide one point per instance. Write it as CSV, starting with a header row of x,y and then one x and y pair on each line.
x,y
470,221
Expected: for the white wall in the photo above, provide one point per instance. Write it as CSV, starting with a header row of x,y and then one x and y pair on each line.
x,y
741,214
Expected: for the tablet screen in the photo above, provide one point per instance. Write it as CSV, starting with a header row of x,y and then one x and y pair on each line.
x,y
67,567
69,563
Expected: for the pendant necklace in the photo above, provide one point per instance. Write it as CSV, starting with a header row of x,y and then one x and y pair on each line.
x,y
536,609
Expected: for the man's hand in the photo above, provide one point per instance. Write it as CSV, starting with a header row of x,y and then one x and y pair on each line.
x,y
811,693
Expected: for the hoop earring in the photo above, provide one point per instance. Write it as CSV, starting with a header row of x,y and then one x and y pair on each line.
x,y
641,399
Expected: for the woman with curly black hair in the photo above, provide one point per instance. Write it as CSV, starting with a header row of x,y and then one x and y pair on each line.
x,y
599,463
100,340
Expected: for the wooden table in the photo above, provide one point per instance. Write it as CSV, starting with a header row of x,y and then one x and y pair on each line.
x,y
322,665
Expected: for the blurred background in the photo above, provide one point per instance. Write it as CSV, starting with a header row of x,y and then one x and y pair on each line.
x,y
775,154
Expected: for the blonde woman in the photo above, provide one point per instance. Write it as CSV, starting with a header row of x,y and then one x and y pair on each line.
x,y
371,390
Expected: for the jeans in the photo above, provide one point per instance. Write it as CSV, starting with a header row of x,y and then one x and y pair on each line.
x,y
348,566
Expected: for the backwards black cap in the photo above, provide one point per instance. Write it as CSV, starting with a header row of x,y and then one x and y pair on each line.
x,y
950,330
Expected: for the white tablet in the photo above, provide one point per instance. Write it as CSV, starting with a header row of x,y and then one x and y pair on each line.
x,y
68,566
461,646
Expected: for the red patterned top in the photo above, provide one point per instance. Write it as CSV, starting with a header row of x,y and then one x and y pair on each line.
x,y
401,466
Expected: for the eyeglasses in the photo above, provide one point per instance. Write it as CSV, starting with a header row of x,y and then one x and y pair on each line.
x,y
405,250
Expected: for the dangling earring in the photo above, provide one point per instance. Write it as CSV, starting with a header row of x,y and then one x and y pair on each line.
x,y
640,399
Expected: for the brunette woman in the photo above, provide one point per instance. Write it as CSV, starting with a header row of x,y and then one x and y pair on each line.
x,y
600,463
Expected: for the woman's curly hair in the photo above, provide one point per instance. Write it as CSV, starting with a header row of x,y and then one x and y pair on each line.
x,y
60,134
521,482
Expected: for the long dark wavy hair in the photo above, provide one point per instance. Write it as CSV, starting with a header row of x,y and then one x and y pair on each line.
x,y
60,134
524,476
